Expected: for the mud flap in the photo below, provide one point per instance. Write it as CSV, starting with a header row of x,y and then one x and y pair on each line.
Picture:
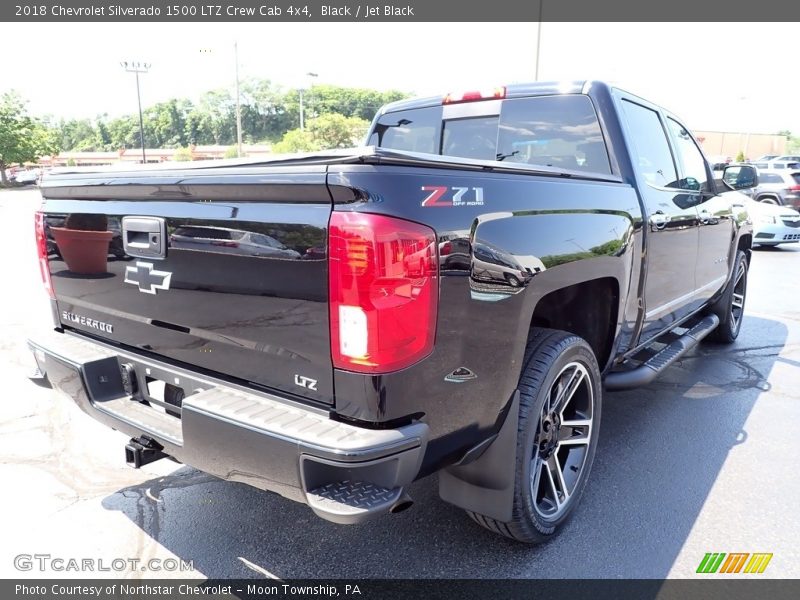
x,y
486,485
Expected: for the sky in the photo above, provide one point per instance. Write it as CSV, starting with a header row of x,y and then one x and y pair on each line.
x,y
716,76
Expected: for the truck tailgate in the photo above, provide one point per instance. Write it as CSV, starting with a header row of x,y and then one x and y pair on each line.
x,y
222,269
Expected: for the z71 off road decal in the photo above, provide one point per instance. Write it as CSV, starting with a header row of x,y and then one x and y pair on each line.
x,y
447,197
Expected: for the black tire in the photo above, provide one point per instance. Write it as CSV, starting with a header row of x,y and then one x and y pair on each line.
x,y
730,306
551,356
769,200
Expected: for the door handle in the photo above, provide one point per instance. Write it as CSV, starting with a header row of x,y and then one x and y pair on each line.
x,y
144,237
659,220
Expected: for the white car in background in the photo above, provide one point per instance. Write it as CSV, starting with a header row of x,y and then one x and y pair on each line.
x,y
773,224
28,177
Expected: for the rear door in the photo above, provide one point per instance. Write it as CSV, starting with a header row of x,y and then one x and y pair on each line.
x,y
235,283
714,211
671,228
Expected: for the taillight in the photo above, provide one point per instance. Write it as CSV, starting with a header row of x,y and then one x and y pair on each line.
x,y
445,249
41,250
795,188
383,290
497,93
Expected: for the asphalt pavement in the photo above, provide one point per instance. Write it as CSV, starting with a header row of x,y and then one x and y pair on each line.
x,y
703,460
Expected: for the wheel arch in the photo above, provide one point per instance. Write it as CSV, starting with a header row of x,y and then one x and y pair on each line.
x,y
588,309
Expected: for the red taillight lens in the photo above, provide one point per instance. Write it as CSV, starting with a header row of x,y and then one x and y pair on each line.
x,y
41,250
445,249
795,188
383,292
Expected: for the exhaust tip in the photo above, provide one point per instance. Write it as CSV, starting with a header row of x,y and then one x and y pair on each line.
x,y
403,503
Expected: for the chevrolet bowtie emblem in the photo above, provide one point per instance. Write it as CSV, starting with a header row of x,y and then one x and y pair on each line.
x,y
147,278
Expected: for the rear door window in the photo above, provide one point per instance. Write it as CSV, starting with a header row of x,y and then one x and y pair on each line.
x,y
651,152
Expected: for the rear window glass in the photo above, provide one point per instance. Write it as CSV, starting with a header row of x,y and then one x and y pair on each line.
x,y
556,131
470,138
796,177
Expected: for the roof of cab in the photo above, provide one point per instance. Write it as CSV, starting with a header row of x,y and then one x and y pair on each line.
x,y
514,90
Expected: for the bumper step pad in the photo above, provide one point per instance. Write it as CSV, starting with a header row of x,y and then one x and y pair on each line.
x,y
350,501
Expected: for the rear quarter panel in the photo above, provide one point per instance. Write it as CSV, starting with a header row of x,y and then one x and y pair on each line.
x,y
554,232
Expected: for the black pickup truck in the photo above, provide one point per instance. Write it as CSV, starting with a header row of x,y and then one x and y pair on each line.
x,y
451,298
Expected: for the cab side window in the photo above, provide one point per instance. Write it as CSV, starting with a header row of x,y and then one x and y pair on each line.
x,y
651,152
693,166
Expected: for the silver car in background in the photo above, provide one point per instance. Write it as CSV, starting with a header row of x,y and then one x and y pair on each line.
x,y
781,187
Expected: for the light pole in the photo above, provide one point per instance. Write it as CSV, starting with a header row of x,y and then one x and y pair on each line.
x,y
137,67
302,118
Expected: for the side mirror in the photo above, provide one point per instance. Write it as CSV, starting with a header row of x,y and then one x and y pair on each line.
x,y
740,177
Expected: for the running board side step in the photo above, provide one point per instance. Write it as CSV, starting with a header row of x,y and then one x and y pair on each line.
x,y
649,370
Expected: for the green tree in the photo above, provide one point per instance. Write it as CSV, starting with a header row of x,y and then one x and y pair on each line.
x,y
231,152
350,102
22,138
322,133
296,141
268,113
76,134
337,131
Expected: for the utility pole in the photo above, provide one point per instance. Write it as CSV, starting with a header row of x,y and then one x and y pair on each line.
x,y
238,103
136,68
538,40
302,115
302,124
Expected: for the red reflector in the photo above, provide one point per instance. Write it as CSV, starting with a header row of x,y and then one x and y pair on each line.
x,y
383,290
41,250
497,93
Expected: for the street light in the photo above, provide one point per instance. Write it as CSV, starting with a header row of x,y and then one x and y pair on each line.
x,y
138,67
302,120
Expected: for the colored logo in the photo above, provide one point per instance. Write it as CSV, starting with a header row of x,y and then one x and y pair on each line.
x,y
736,562
447,197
